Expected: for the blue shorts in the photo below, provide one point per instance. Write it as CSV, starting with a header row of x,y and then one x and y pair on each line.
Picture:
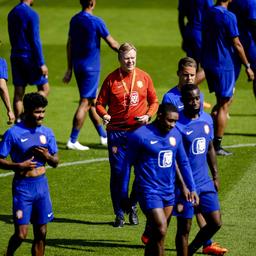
x,y
192,43
222,83
87,81
149,201
209,202
31,201
25,71
3,69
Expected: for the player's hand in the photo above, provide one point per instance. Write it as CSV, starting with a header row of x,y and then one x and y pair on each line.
x,y
185,192
27,165
216,183
142,119
67,77
106,119
194,199
250,74
42,152
44,70
11,117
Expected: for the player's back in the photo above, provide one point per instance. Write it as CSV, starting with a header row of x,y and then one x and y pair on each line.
x,y
219,28
194,11
21,29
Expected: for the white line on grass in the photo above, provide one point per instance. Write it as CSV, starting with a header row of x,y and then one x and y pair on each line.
x,y
65,164
106,159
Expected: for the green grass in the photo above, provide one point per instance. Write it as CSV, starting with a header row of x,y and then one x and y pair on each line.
x,y
80,193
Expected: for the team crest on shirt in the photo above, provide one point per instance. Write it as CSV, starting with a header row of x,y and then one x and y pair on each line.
x,y
19,214
206,129
140,84
165,158
42,139
172,141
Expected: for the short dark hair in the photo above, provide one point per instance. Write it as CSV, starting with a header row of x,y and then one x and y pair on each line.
x,y
187,88
186,62
165,108
34,100
86,3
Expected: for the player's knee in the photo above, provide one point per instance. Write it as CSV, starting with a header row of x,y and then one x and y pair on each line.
x,y
161,231
22,235
40,233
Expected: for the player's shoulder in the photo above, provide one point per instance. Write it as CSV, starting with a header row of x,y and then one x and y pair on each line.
x,y
205,117
142,73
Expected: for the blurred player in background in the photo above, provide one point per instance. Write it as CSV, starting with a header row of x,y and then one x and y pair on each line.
x,y
4,90
220,41
31,146
245,11
153,149
196,128
27,61
83,55
127,100
190,20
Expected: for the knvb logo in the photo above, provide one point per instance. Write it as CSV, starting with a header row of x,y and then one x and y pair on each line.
x,y
165,158
198,146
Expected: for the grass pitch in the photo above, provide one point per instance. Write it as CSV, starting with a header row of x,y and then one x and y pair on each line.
x,y
80,192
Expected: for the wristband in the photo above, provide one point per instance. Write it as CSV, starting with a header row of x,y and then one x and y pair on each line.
x,y
247,66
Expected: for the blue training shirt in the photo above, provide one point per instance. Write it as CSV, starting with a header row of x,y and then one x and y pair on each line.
x,y
244,10
3,69
196,135
19,141
194,10
173,96
153,155
23,27
85,33
219,28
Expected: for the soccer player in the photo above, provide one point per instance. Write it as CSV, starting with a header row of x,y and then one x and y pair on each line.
x,y
245,12
83,55
153,149
27,61
187,75
4,90
220,39
31,146
196,128
190,19
187,67
129,94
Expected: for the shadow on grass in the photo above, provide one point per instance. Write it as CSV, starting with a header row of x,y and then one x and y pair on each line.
x,y
240,134
6,218
65,220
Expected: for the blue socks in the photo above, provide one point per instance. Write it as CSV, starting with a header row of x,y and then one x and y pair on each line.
x,y
74,134
101,131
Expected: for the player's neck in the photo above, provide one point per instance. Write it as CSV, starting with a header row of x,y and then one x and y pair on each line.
x,y
89,10
190,114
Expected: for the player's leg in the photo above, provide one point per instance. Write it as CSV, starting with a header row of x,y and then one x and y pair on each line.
x,y
78,121
221,119
16,239
44,89
19,92
181,240
96,120
119,176
158,219
38,246
213,221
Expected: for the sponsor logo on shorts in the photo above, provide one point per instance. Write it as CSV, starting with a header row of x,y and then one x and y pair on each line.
x,y
50,215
